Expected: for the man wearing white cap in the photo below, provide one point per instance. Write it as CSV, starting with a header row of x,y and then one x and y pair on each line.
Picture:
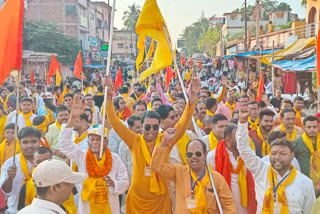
x,y
54,181
107,175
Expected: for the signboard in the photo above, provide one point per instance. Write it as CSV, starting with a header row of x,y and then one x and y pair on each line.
x,y
105,47
94,49
105,54
93,41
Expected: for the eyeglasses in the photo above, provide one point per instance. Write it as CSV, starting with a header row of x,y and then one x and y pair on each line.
x,y
197,153
155,127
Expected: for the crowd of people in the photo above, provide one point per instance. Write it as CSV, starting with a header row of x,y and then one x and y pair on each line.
x,y
160,150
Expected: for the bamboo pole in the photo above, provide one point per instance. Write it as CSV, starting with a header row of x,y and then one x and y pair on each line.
x,y
107,73
16,122
272,70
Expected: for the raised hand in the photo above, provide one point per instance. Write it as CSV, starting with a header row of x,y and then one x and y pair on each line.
x,y
169,135
243,114
77,106
12,170
224,81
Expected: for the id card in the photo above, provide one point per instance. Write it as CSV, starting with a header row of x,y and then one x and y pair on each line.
x,y
191,203
277,208
147,171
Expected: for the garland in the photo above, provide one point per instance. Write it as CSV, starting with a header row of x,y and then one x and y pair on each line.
x,y
92,166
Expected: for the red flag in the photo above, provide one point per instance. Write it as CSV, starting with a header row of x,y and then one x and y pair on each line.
x,y
318,59
11,16
200,65
119,79
261,88
54,67
32,77
190,63
169,76
78,66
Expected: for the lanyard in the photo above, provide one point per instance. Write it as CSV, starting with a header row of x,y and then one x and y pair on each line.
x,y
198,179
276,188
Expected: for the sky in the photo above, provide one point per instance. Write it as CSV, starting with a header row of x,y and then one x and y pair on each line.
x,y
179,14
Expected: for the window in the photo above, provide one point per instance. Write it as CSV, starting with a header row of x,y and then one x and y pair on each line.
x,y
70,10
280,15
120,45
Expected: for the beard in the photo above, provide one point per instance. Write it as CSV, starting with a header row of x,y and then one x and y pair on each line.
x,y
266,128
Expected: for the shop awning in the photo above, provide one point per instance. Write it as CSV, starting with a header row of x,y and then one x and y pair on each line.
x,y
299,45
298,65
252,53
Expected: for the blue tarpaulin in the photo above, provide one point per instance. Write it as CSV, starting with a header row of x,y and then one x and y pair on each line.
x,y
90,66
298,65
252,53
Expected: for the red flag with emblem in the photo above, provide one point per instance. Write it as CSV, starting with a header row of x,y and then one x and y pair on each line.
x,y
119,79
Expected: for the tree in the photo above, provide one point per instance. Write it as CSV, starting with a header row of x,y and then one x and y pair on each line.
x,y
304,3
131,16
192,34
45,37
209,40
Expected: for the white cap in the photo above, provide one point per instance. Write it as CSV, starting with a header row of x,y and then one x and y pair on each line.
x,y
98,131
52,172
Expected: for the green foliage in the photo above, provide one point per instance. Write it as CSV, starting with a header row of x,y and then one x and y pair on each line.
x,y
304,3
192,35
209,40
235,36
45,37
131,16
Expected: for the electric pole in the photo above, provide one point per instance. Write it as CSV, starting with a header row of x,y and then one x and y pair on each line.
x,y
257,25
245,27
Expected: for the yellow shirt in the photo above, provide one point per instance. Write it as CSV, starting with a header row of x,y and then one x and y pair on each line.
x,y
139,198
6,151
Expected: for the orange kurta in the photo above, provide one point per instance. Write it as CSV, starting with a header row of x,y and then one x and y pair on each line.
x,y
6,151
179,174
140,199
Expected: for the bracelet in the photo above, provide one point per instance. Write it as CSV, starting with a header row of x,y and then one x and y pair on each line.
x,y
164,140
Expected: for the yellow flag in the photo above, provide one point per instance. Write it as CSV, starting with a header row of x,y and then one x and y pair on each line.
x,y
58,78
152,24
150,51
141,47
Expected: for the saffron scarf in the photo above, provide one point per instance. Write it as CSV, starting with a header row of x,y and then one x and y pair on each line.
x,y
291,136
93,109
77,139
142,95
5,103
99,94
314,159
157,186
58,125
125,95
268,201
298,115
253,125
150,106
213,141
199,193
86,91
209,113
44,125
170,99
265,145
26,118
44,142
231,107
24,168
3,146
182,146
200,124
3,120
245,181
125,114
59,99
95,190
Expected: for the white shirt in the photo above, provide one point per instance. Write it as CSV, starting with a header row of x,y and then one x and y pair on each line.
x,y
242,84
43,207
96,116
269,88
39,100
10,116
114,140
234,179
21,120
118,172
13,196
300,192
83,145
126,157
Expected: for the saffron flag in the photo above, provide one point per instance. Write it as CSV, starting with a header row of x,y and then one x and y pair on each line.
x,y
261,87
78,66
169,76
32,77
119,79
58,78
54,68
190,63
11,16
141,47
200,65
152,24
318,60
150,51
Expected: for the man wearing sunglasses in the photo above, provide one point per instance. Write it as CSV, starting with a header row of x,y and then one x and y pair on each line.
x,y
149,192
194,191
280,188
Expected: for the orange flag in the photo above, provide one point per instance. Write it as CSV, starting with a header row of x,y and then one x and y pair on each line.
x,y
261,88
32,77
119,79
200,65
318,60
54,68
78,66
169,76
11,16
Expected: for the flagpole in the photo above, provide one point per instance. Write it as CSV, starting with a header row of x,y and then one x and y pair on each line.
x,y
107,72
193,120
16,122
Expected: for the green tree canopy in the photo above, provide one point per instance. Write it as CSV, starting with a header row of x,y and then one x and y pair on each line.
x,y
45,37
131,16
209,40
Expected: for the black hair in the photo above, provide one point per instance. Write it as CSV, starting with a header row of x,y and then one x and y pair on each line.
x,y
29,131
287,110
265,112
229,128
180,96
140,102
42,191
77,91
10,126
310,118
124,90
39,87
132,119
26,99
282,142
155,100
276,135
74,86
23,83
204,146
136,84
68,95
127,85
38,120
140,89
287,102
298,98
43,150
252,103
100,88
234,121
62,108
10,88
262,104
172,89
235,112
2,89
218,117
211,102
117,100
55,88
84,116
89,110
150,114
164,111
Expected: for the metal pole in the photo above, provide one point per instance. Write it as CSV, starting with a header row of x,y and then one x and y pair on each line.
x,y
17,114
180,79
257,25
107,73
272,69
221,41
245,27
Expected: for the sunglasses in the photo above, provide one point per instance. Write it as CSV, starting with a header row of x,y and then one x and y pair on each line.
x,y
197,153
155,127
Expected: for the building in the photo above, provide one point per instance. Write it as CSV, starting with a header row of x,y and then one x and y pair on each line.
x,y
86,20
123,44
